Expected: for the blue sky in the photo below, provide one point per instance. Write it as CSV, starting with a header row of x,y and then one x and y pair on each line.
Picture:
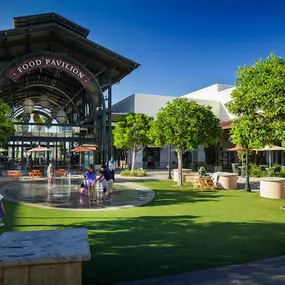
x,y
182,45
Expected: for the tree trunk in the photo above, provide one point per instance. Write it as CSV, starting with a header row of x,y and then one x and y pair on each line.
x,y
247,184
134,159
179,158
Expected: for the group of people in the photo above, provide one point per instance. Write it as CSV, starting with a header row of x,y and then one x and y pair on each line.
x,y
88,187
90,180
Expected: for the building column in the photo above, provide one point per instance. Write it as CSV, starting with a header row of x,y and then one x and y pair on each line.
x,y
110,144
48,154
64,153
22,155
13,154
56,153
103,135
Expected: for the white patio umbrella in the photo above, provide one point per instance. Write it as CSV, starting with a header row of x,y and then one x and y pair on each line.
x,y
270,148
39,149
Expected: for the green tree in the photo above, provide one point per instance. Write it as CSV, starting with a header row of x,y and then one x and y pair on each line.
x,y
185,125
6,125
133,133
259,100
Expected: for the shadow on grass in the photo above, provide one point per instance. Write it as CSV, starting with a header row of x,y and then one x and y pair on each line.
x,y
172,197
145,247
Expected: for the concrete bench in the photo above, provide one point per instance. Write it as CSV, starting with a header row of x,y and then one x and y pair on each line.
x,y
227,180
186,174
43,257
272,187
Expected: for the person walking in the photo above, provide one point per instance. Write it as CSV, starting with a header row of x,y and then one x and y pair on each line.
x,y
112,168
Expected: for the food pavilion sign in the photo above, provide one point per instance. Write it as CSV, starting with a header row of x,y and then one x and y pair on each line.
x,y
31,64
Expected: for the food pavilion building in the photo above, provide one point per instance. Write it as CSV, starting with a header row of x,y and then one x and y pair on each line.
x,y
58,84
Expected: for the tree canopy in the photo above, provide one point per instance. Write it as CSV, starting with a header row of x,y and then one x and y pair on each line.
x,y
6,125
259,101
133,133
185,125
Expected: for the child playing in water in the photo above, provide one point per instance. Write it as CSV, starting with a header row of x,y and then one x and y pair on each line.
x,y
85,185
104,184
2,210
83,191
90,174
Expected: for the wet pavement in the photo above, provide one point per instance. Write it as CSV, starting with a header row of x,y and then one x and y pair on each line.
x,y
65,194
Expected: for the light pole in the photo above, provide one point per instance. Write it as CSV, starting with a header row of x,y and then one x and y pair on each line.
x,y
247,184
169,162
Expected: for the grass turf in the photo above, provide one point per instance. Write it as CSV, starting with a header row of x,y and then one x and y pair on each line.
x,y
179,231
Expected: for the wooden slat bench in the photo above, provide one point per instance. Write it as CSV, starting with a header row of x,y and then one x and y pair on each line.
x,y
60,172
15,173
35,173
204,183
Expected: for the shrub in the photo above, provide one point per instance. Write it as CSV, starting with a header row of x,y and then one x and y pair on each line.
x,y
275,173
282,172
135,173
126,172
255,171
202,170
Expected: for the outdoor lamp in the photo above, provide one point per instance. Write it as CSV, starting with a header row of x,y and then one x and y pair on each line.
x,y
28,105
53,112
26,117
36,118
61,117
43,101
49,122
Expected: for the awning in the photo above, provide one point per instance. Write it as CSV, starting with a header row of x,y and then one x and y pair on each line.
x,y
237,148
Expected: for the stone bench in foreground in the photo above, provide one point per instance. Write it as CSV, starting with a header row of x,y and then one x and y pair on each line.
x,y
43,257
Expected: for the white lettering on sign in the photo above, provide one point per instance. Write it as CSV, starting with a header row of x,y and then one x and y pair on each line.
x,y
43,62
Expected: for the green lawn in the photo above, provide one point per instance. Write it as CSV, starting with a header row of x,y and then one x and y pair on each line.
x,y
180,231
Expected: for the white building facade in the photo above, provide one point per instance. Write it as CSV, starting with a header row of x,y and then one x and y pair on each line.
x,y
152,157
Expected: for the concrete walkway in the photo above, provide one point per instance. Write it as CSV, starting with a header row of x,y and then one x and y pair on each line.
x,y
163,175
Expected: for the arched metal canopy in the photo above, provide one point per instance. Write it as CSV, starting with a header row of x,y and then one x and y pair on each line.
x,y
48,54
